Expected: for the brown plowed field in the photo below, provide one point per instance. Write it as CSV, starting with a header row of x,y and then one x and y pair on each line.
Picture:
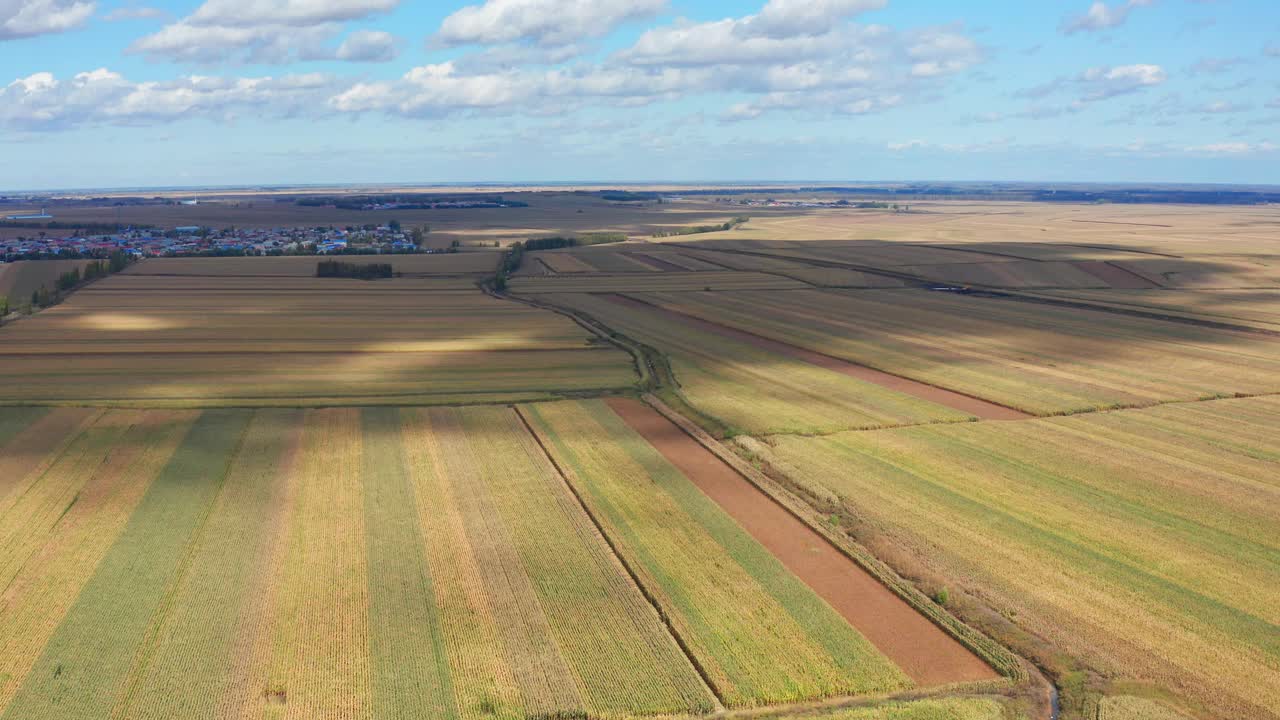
x,y
974,406
926,653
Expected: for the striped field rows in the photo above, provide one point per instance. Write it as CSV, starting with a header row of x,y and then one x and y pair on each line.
x,y
387,563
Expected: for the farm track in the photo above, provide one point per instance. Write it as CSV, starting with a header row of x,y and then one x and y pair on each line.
x,y
978,407
927,654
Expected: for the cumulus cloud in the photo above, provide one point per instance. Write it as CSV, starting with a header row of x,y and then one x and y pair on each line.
x,y
1108,82
259,31
542,22
1101,16
28,18
43,102
791,55
368,46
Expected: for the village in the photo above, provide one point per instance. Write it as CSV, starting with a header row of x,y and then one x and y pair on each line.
x,y
200,241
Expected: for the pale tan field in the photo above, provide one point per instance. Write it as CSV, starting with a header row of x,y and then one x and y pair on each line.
x,y
18,280
165,340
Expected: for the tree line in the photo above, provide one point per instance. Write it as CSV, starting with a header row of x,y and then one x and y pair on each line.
x,y
361,271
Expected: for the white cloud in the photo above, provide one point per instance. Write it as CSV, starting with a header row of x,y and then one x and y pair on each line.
x,y
1222,107
1272,50
293,13
1214,65
28,18
1101,16
543,22
43,102
791,56
787,18
368,46
1234,148
1107,82
131,12
259,31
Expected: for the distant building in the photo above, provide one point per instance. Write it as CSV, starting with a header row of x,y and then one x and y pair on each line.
x,y
188,229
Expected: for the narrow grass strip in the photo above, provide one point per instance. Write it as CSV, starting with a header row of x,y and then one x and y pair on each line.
x,y
408,667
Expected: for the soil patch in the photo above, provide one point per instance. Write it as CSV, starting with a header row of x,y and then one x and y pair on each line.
x,y
1115,276
974,406
924,651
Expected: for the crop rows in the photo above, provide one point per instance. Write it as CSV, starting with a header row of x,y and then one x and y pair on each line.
x,y
336,563
1144,541
1037,358
755,389
758,633
653,282
170,347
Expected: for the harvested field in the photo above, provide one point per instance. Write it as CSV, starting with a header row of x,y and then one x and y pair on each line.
x,y
316,342
1014,274
352,563
1036,358
562,262
19,279
1142,541
1252,308
970,405
812,274
464,263
927,654
758,633
653,282
756,389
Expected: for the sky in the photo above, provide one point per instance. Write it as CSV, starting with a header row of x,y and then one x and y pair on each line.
x,y
131,93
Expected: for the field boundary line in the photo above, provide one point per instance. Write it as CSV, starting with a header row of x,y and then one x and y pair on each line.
x,y
1029,297
1023,415
1000,658
635,577
647,373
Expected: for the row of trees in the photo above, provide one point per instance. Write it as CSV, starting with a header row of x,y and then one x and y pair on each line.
x,y
696,229
361,271
70,280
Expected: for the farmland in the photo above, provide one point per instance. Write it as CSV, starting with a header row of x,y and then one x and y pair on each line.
x,y
385,562
237,340
1037,358
835,463
1143,541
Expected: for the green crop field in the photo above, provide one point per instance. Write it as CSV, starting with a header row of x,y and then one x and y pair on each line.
x,y
758,633
350,563
1145,541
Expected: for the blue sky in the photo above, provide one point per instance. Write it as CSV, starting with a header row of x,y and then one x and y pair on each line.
x,y
112,93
